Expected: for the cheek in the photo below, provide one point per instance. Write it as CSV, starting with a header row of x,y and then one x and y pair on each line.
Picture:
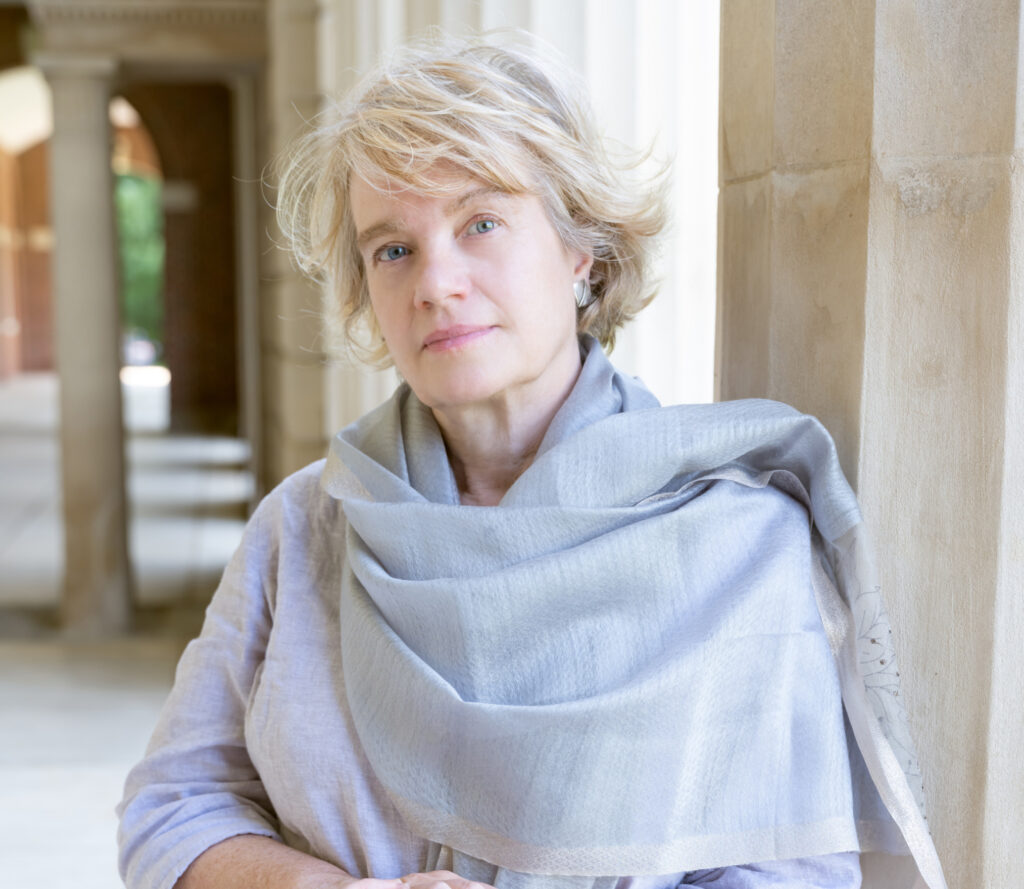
x,y
382,312
393,328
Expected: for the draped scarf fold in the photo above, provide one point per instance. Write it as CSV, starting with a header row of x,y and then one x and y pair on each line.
x,y
663,651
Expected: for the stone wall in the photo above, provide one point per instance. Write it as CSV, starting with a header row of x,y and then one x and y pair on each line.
x,y
871,246
10,268
36,296
26,300
292,347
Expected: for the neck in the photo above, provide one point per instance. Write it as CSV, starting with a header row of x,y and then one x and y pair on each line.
x,y
491,445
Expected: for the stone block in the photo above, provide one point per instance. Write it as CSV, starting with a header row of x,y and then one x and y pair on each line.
x,y
819,269
294,322
746,89
293,56
294,394
354,389
743,355
286,455
824,64
934,421
946,77
290,115
155,34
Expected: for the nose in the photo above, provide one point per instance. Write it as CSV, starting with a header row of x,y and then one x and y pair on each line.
x,y
442,275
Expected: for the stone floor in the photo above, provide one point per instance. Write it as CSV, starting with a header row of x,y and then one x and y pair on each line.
x,y
75,715
31,541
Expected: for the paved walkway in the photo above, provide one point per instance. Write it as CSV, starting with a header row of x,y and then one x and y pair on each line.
x,y
31,537
187,498
73,720
74,717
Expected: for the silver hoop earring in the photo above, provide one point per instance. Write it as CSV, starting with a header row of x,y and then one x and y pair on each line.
x,y
584,296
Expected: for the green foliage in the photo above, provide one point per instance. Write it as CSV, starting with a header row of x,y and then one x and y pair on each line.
x,y
140,224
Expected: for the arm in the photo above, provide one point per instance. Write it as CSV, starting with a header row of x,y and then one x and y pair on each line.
x,y
195,812
250,862
197,786
256,862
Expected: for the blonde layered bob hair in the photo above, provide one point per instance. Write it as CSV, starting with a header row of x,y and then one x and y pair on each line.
x,y
503,114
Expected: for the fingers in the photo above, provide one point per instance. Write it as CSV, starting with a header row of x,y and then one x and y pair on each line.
x,y
371,883
441,879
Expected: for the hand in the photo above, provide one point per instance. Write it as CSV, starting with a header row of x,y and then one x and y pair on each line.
x,y
437,879
441,879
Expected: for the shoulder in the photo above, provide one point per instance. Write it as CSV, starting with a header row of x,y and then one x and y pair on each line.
x,y
302,486
769,442
295,524
749,417
300,497
776,417
741,409
762,421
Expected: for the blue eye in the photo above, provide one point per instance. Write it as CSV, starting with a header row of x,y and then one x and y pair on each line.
x,y
482,226
391,253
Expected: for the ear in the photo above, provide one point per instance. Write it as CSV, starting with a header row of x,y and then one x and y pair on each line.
x,y
584,262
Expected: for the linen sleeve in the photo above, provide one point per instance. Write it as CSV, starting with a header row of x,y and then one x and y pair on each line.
x,y
196,784
840,870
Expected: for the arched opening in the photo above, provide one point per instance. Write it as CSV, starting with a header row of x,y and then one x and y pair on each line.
x,y
190,127
188,474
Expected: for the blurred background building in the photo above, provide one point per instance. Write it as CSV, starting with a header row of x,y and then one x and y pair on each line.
x,y
848,237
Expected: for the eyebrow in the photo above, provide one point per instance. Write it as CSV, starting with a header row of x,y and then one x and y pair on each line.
x,y
375,231
388,227
473,194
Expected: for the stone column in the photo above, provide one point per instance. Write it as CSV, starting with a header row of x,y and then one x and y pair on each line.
x,y
292,354
942,437
352,34
248,206
871,257
97,587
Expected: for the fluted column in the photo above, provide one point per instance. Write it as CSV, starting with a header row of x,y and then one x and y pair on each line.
x,y
96,589
245,94
352,35
942,435
291,355
871,258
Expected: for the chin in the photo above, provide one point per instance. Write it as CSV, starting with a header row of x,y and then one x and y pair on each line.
x,y
462,396
461,390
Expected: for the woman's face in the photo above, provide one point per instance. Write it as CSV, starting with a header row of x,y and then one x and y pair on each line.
x,y
472,292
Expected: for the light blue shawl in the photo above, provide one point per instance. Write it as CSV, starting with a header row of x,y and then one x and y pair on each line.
x,y
636,663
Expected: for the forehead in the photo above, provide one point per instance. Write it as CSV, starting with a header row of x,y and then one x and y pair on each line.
x,y
380,206
442,182
383,190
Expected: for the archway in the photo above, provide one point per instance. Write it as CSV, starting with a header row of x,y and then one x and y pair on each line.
x,y
188,478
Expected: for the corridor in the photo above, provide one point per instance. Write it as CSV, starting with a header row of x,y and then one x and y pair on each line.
x,y
75,714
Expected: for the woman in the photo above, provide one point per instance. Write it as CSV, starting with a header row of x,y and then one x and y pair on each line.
x,y
525,628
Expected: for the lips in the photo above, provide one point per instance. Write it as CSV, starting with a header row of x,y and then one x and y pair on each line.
x,y
454,337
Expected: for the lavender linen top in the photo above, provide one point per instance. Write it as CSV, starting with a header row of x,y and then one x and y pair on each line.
x,y
256,736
